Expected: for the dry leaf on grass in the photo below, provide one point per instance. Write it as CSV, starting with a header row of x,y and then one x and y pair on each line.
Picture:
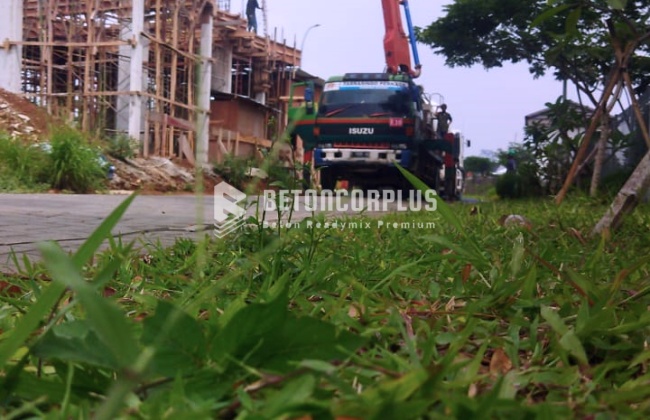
x,y
500,363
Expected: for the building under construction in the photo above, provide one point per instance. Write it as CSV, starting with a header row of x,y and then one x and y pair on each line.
x,y
185,77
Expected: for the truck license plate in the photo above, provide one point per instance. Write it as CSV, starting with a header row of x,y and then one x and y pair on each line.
x,y
360,154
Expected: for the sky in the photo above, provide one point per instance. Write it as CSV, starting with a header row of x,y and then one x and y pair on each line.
x,y
487,106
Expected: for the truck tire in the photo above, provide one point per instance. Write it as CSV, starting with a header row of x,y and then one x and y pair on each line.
x,y
327,178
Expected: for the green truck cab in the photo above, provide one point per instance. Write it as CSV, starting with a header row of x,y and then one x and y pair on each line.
x,y
364,123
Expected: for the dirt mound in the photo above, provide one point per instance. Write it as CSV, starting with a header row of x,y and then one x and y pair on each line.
x,y
21,118
28,122
157,175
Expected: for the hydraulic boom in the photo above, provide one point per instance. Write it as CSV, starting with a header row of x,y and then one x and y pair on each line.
x,y
366,124
396,42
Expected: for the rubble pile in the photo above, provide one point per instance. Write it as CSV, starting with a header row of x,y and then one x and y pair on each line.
x,y
156,175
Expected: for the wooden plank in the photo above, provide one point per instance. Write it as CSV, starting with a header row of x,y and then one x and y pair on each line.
x,y
627,198
185,149
85,111
146,137
158,133
180,123
69,44
161,43
174,73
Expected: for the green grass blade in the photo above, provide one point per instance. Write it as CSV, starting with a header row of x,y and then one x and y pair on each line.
x,y
28,323
442,207
446,212
108,321
51,295
103,231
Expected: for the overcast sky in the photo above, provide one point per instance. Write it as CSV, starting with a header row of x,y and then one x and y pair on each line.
x,y
487,106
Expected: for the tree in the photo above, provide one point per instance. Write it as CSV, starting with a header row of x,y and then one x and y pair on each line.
x,y
554,139
565,37
479,165
571,38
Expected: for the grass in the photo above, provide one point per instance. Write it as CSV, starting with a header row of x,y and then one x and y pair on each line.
x,y
74,165
21,166
469,319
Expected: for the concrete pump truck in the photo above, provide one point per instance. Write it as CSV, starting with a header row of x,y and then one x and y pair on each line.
x,y
365,122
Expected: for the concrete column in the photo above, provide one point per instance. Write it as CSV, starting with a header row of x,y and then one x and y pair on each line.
x,y
11,29
123,81
203,85
137,58
222,68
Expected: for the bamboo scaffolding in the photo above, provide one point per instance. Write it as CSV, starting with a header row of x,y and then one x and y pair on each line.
x,y
76,55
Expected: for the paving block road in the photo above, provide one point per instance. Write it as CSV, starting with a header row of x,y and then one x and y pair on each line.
x,y
28,219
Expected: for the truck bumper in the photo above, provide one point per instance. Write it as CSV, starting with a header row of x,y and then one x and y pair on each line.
x,y
362,157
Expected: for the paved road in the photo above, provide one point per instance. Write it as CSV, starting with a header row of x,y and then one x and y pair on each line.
x,y
27,219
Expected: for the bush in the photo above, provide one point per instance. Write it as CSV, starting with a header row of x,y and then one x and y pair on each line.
x,y
74,165
122,147
518,185
282,176
509,186
612,183
21,167
234,170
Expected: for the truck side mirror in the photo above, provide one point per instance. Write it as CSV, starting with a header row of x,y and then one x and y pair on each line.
x,y
469,143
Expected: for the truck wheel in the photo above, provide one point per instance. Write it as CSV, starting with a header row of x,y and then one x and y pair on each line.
x,y
327,179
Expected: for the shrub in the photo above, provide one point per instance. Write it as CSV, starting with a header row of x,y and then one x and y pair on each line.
x,y
122,147
234,170
518,185
281,175
74,165
509,186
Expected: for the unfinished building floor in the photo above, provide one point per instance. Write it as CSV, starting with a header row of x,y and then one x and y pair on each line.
x,y
148,69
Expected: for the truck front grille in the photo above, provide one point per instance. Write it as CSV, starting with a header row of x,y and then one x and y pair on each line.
x,y
361,145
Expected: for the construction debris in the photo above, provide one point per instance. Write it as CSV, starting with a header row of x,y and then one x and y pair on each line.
x,y
157,175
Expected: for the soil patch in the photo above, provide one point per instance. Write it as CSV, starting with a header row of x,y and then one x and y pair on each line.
x,y
21,118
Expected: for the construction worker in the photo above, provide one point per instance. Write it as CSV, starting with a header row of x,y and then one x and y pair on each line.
x,y
251,7
444,119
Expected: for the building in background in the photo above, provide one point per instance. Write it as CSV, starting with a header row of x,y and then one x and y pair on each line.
x,y
181,76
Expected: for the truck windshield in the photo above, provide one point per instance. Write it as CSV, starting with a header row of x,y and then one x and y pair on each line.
x,y
369,101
